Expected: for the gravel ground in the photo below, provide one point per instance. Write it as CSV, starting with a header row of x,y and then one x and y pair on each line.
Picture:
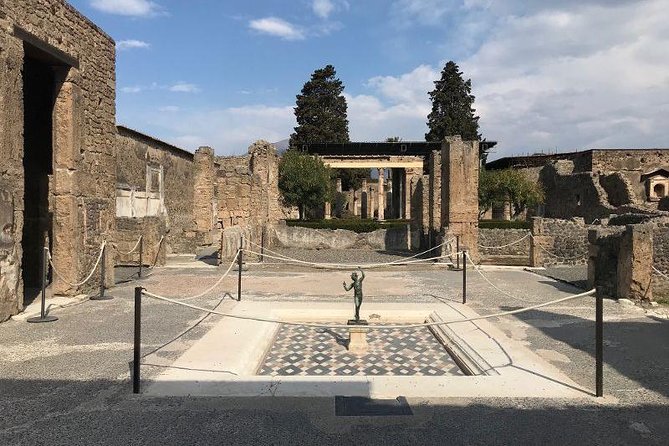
x,y
67,382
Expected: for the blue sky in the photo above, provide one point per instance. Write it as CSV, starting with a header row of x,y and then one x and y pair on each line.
x,y
547,75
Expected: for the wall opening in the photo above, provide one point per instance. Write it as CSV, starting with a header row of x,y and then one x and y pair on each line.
x,y
38,101
659,190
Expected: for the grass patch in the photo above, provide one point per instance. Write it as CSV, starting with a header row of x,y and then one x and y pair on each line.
x,y
356,225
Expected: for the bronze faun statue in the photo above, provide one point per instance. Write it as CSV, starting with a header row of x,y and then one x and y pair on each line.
x,y
357,287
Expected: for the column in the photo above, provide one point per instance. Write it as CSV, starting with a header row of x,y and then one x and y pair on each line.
x,y
328,210
364,200
204,191
381,195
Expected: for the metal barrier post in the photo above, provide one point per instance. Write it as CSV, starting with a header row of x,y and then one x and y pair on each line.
x,y
137,351
262,245
464,276
239,267
43,317
599,345
457,251
103,269
141,255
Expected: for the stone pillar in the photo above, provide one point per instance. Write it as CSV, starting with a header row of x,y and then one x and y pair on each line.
x,y
356,202
434,197
388,213
381,196
538,241
459,191
204,192
364,199
328,211
635,263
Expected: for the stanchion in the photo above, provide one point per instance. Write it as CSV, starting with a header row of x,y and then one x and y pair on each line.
x,y
239,267
599,345
464,277
137,351
43,317
141,255
457,252
262,244
103,263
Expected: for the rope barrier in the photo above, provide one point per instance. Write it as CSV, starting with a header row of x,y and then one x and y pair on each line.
x,y
118,251
218,282
508,244
344,265
373,327
555,255
78,284
339,266
660,273
478,270
158,245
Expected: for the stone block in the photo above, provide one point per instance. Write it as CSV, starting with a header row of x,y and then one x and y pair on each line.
x,y
357,340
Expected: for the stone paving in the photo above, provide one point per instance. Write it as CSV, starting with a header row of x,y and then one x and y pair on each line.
x,y
306,351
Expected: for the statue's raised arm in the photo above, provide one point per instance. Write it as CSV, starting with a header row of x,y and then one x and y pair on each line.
x,y
362,274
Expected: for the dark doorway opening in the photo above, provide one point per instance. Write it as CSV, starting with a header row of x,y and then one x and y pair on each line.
x,y
39,92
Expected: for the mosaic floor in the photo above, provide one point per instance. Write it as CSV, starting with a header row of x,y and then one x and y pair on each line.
x,y
322,352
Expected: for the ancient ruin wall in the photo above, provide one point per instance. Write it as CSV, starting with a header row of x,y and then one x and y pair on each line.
x,y
661,261
489,238
82,185
134,153
568,241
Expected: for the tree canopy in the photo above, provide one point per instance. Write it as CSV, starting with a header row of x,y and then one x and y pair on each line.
x,y
497,187
304,181
452,107
321,113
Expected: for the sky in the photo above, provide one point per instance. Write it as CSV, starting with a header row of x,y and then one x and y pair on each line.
x,y
547,75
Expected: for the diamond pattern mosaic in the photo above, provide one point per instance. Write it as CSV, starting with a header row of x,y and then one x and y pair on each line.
x,y
306,351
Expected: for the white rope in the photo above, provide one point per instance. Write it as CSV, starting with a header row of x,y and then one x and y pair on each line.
x,y
350,266
555,255
78,284
118,251
373,327
218,282
660,273
478,270
288,260
508,244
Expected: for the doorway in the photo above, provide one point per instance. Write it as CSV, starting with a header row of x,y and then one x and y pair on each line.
x,y
39,92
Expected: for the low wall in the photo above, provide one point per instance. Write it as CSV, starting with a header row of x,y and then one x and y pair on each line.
x,y
128,231
393,239
501,237
567,241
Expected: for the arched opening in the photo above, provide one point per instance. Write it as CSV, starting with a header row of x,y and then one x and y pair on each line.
x,y
659,190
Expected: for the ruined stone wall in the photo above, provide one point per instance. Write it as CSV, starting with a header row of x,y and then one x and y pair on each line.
x,y
603,255
134,153
661,261
433,208
570,194
567,241
81,186
127,233
489,238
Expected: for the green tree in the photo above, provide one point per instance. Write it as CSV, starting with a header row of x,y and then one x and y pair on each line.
x,y
452,107
321,114
304,181
498,187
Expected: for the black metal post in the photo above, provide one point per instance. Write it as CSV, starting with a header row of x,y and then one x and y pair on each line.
x,y
103,270
464,276
137,351
599,345
141,255
457,251
43,317
262,244
239,267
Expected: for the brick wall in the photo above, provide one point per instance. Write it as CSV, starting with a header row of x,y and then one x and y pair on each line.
x,y
81,185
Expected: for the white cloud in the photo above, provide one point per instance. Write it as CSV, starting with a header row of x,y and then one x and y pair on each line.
x,y
132,89
131,44
169,109
275,26
133,8
323,8
183,87
228,130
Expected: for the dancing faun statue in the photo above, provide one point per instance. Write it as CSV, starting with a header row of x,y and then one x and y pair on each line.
x,y
357,287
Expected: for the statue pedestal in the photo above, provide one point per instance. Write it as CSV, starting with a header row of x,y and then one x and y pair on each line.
x,y
357,336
